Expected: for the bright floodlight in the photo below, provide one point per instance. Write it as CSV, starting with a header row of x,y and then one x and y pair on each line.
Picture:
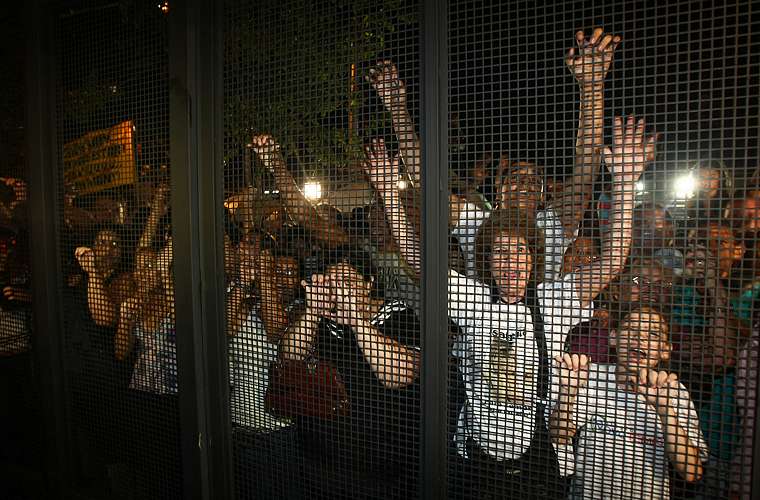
x,y
312,190
402,184
640,186
685,186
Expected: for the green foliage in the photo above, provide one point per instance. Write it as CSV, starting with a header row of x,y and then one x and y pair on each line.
x,y
296,59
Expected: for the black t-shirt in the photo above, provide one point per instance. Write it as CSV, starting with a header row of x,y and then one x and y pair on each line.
x,y
381,433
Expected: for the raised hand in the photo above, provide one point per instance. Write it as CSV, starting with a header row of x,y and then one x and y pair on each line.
x,y
591,61
573,371
319,299
265,146
391,90
351,295
381,169
86,258
658,387
631,151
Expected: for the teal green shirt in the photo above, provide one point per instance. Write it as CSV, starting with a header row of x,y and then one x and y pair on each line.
x,y
742,305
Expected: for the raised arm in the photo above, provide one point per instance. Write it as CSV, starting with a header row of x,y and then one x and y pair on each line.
x,y
124,339
627,160
237,309
381,169
102,310
589,65
573,376
299,338
299,208
394,364
158,209
164,263
273,312
663,391
392,91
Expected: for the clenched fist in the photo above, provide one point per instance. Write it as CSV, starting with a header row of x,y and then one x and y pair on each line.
x,y
658,387
86,258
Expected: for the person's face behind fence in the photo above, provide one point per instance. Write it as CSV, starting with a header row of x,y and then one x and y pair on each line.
x,y
146,272
350,293
646,284
750,211
107,250
581,252
641,340
522,188
709,182
652,230
288,280
722,244
511,265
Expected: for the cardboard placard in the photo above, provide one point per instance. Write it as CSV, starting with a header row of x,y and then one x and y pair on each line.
x,y
100,160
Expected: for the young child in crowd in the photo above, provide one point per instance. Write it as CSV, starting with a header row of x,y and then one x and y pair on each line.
x,y
630,419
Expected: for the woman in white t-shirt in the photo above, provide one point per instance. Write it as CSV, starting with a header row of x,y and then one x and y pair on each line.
x,y
501,346
630,419
146,324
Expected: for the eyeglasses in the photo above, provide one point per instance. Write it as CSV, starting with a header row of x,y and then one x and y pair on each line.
x,y
643,283
524,183
287,272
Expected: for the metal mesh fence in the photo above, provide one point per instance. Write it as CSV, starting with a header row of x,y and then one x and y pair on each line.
x,y
603,183
322,310
115,248
607,317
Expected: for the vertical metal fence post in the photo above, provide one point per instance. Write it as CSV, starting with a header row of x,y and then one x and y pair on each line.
x,y
435,243
755,479
196,159
42,170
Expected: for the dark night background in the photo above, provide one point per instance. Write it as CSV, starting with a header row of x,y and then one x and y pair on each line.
x,y
689,67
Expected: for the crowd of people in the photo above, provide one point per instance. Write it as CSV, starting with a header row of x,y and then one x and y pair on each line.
x,y
600,347
15,276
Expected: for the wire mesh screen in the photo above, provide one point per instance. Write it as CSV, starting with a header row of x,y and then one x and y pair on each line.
x,y
322,308
115,248
604,182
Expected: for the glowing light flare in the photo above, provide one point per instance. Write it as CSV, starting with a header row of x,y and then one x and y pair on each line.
x,y
640,187
402,184
312,190
164,6
685,186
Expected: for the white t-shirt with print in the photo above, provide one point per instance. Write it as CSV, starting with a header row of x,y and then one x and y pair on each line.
x,y
620,450
250,356
501,428
555,240
155,368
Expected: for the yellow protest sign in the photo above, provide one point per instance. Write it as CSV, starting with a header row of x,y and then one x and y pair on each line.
x,y
100,160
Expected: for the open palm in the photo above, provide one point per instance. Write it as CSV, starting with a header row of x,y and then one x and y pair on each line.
x,y
631,151
593,58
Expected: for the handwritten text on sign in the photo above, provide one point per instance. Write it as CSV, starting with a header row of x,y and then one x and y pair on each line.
x,y
100,160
